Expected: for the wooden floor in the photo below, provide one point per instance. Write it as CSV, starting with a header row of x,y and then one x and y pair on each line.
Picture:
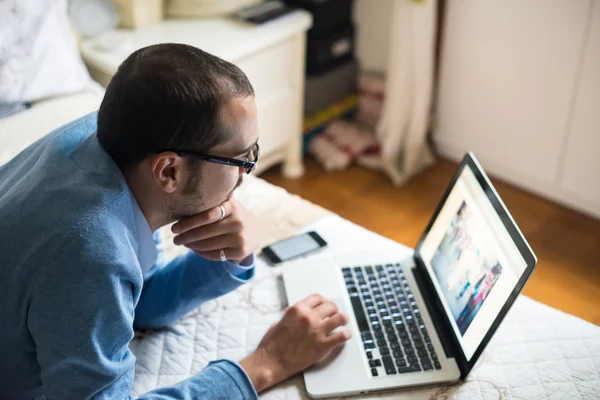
x,y
567,244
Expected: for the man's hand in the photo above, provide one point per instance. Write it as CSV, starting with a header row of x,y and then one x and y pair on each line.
x,y
300,339
237,234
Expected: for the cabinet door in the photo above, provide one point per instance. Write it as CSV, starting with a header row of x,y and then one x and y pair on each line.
x,y
581,168
507,79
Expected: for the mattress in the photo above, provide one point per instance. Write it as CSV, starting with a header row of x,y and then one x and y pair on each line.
x,y
537,353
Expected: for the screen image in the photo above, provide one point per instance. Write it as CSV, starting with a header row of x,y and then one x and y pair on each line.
x,y
294,246
465,267
473,262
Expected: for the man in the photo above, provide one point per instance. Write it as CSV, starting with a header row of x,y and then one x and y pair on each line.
x,y
175,133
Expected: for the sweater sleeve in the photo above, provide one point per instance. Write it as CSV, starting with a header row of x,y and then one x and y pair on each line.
x,y
81,318
174,289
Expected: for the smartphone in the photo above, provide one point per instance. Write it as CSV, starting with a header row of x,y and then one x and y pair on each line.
x,y
295,246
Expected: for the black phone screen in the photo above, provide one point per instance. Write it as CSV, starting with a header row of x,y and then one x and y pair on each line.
x,y
297,245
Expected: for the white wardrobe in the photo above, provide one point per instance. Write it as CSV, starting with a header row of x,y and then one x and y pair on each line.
x,y
520,87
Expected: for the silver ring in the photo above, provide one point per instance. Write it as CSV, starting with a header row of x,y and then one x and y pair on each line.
x,y
222,255
222,212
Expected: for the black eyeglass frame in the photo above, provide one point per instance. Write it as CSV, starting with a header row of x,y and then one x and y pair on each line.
x,y
234,162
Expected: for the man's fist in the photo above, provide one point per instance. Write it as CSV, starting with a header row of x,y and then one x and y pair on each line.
x,y
237,234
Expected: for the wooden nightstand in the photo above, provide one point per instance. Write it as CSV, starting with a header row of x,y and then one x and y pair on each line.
x,y
272,55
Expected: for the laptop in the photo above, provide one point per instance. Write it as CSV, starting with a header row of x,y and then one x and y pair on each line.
x,y
424,319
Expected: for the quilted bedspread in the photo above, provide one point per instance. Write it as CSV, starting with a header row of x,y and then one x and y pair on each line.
x,y
537,353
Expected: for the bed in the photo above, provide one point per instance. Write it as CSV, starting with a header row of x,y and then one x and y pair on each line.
x,y
537,353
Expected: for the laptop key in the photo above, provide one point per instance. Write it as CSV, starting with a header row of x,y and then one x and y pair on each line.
x,y
379,334
370,355
359,313
372,364
401,362
381,342
415,367
378,363
397,354
384,350
437,364
427,366
389,366
406,369
374,371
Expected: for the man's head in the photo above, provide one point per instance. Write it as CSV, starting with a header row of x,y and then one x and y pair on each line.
x,y
165,104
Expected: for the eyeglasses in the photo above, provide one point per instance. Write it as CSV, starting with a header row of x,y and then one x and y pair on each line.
x,y
248,163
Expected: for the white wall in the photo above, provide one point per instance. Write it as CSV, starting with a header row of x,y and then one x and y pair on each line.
x,y
373,19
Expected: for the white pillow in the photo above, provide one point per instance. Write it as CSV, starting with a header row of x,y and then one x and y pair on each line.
x,y
39,57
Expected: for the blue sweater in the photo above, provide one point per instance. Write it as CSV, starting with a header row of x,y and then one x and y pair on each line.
x,y
76,277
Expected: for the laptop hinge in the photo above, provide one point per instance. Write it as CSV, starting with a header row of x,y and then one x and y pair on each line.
x,y
439,319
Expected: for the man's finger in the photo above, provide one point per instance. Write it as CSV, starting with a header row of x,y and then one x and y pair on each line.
x,y
203,233
335,321
326,309
209,255
338,338
214,243
203,218
313,300
215,255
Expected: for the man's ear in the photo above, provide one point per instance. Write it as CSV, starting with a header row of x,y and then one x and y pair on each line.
x,y
168,171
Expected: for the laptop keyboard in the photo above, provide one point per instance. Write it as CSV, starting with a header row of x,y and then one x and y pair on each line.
x,y
392,331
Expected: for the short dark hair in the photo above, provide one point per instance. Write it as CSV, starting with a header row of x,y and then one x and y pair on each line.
x,y
167,96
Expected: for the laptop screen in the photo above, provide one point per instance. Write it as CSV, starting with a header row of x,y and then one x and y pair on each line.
x,y
472,260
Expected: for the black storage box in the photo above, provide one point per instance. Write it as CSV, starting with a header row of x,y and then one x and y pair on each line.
x,y
328,15
330,87
327,52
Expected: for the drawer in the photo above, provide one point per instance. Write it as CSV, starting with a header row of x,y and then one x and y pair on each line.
x,y
269,70
278,121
